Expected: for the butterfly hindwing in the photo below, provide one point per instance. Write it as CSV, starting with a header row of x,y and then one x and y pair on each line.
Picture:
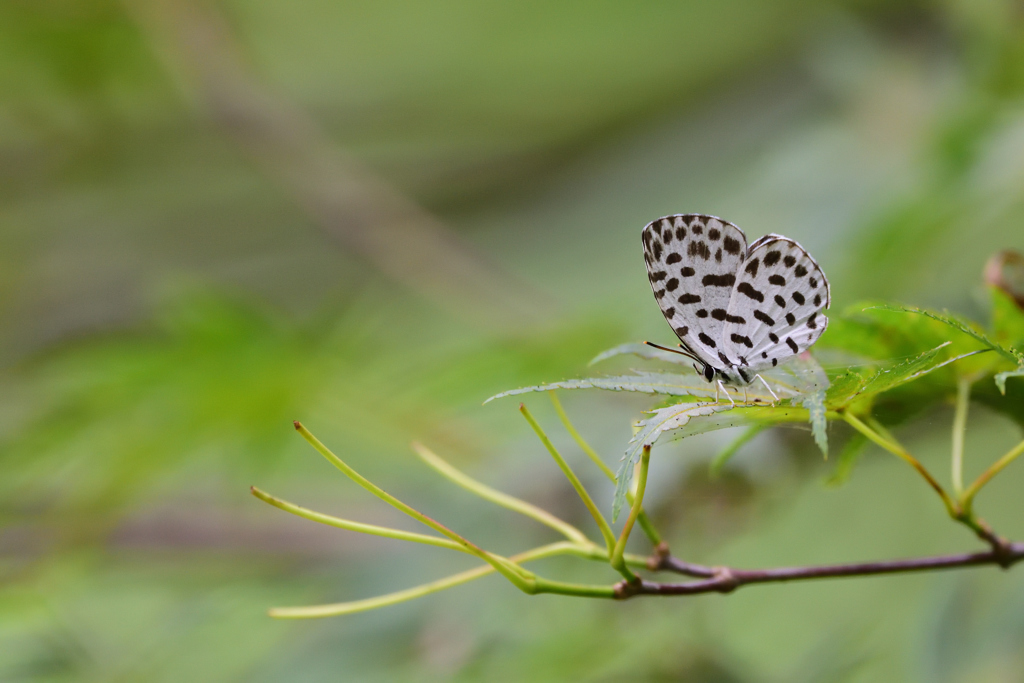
x,y
692,262
776,306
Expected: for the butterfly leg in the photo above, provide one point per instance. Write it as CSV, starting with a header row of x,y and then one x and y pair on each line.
x,y
722,386
769,389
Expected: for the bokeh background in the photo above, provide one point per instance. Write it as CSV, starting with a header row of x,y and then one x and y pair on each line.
x,y
217,217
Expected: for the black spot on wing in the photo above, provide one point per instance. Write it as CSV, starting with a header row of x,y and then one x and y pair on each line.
x,y
689,298
751,268
772,257
789,260
764,317
790,319
726,280
658,276
680,233
697,228
777,280
718,313
748,289
681,331
791,344
714,234
800,271
817,299
696,248
706,340
702,313
738,319
779,300
775,361
687,271
774,337
812,322
740,339
674,257
814,282
657,251
799,298
669,312
718,256
731,245
667,237
672,284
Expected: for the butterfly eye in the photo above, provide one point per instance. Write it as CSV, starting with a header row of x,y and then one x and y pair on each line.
x,y
709,372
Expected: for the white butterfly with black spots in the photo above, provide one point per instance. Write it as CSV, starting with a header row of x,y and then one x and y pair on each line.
x,y
736,309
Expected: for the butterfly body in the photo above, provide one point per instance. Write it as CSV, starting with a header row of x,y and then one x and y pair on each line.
x,y
736,309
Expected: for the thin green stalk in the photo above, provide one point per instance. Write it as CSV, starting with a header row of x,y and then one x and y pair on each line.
x,y
896,449
967,500
355,526
520,578
580,441
606,530
963,399
634,511
337,609
644,522
497,497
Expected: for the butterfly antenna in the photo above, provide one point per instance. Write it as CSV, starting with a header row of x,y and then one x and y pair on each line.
x,y
681,353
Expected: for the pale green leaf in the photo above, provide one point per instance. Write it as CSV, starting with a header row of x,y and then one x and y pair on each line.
x,y
815,405
642,382
1003,376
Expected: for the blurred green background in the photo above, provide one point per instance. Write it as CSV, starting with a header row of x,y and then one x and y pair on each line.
x,y
217,217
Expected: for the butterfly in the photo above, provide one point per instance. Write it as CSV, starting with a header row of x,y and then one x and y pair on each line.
x,y
737,310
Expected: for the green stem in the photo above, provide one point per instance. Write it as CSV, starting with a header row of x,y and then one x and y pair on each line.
x,y
580,441
967,499
620,547
963,399
355,526
519,577
644,522
340,608
497,497
606,530
896,449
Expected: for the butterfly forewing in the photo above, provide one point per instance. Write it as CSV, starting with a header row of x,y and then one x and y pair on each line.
x,y
775,311
692,262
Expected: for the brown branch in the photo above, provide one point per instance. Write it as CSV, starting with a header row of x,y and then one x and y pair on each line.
x,y
727,579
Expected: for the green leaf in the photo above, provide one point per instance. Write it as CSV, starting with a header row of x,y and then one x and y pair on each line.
x,y
1007,318
901,373
661,420
960,325
642,382
1003,376
844,388
815,405
905,372
848,457
689,419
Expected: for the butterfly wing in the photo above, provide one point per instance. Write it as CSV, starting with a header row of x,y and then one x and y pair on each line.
x,y
692,262
776,307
